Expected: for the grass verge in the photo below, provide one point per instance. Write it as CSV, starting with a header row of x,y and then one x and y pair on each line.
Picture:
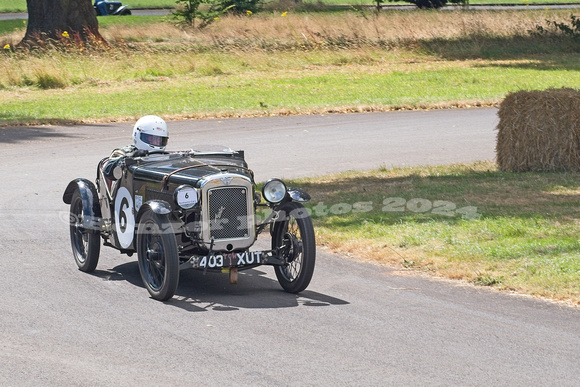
x,y
274,64
512,231
330,89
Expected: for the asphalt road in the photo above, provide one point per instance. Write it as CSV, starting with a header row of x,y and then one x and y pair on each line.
x,y
357,324
160,12
134,12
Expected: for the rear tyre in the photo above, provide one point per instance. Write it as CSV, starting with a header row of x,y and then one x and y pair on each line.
x,y
294,236
85,243
157,255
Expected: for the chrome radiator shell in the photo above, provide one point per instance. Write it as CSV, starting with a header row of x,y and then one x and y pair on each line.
x,y
227,212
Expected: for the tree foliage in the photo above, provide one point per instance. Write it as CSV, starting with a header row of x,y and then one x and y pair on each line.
x,y
188,12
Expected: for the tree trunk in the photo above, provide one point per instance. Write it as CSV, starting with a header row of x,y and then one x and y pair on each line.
x,y
58,19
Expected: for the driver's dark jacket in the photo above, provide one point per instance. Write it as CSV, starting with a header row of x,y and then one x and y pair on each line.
x,y
118,157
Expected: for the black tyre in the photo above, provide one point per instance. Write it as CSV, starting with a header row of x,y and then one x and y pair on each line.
x,y
86,243
157,255
126,13
294,235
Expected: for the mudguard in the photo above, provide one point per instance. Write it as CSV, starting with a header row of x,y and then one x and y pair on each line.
x,y
122,10
90,197
298,194
160,207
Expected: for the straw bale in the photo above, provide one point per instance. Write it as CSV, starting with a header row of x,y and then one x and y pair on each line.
x,y
539,131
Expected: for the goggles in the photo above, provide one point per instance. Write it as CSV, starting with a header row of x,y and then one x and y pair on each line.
x,y
154,140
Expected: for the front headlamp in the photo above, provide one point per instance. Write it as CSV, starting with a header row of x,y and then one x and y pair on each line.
x,y
274,191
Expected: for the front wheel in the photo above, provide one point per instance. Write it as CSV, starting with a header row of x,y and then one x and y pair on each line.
x,y
86,243
293,235
157,255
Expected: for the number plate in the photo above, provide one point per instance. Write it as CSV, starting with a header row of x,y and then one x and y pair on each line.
x,y
216,261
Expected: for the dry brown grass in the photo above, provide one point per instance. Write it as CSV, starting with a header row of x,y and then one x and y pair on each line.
x,y
273,31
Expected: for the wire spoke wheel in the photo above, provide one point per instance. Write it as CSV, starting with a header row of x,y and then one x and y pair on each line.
x,y
154,261
157,255
292,251
85,243
293,236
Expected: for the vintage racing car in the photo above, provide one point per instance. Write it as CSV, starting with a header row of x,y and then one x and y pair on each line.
x,y
191,209
104,8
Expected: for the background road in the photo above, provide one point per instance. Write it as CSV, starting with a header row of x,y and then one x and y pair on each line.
x,y
161,12
356,324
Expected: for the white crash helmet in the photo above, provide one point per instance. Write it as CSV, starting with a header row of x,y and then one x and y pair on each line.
x,y
150,133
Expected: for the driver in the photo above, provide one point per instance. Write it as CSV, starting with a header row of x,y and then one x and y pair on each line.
x,y
150,135
101,7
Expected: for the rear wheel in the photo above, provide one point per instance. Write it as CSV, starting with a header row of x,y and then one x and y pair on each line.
x,y
157,255
294,236
86,243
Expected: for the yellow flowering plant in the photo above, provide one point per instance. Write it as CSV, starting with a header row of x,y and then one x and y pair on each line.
x,y
240,7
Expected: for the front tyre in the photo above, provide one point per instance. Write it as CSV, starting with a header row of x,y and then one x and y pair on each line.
x,y
157,255
85,242
293,235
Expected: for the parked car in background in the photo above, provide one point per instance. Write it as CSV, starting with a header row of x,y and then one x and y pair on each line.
x,y
104,8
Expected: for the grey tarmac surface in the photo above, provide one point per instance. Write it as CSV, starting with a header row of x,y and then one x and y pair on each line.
x,y
134,12
162,12
357,324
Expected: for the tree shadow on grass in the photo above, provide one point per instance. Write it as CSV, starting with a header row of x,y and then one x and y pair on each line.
x,y
549,50
443,197
543,65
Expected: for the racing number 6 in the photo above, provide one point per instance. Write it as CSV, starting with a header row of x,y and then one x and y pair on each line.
x,y
123,215
124,218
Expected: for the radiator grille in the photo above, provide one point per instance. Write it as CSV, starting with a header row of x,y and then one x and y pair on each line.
x,y
228,212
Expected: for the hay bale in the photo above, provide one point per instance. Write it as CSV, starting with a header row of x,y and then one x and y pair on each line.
x,y
539,131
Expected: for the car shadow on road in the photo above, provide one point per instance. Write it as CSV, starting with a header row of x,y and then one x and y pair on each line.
x,y
201,292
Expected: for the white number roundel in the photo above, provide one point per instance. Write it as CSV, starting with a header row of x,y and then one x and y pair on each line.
x,y
124,217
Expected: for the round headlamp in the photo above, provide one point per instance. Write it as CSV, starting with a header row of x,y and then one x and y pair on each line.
x,y
186,197
274,191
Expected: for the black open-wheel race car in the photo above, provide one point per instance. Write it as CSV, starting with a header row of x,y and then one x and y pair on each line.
x,y
190,210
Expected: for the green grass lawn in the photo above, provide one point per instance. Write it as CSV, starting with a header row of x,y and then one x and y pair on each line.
x,y
207,90
212,72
